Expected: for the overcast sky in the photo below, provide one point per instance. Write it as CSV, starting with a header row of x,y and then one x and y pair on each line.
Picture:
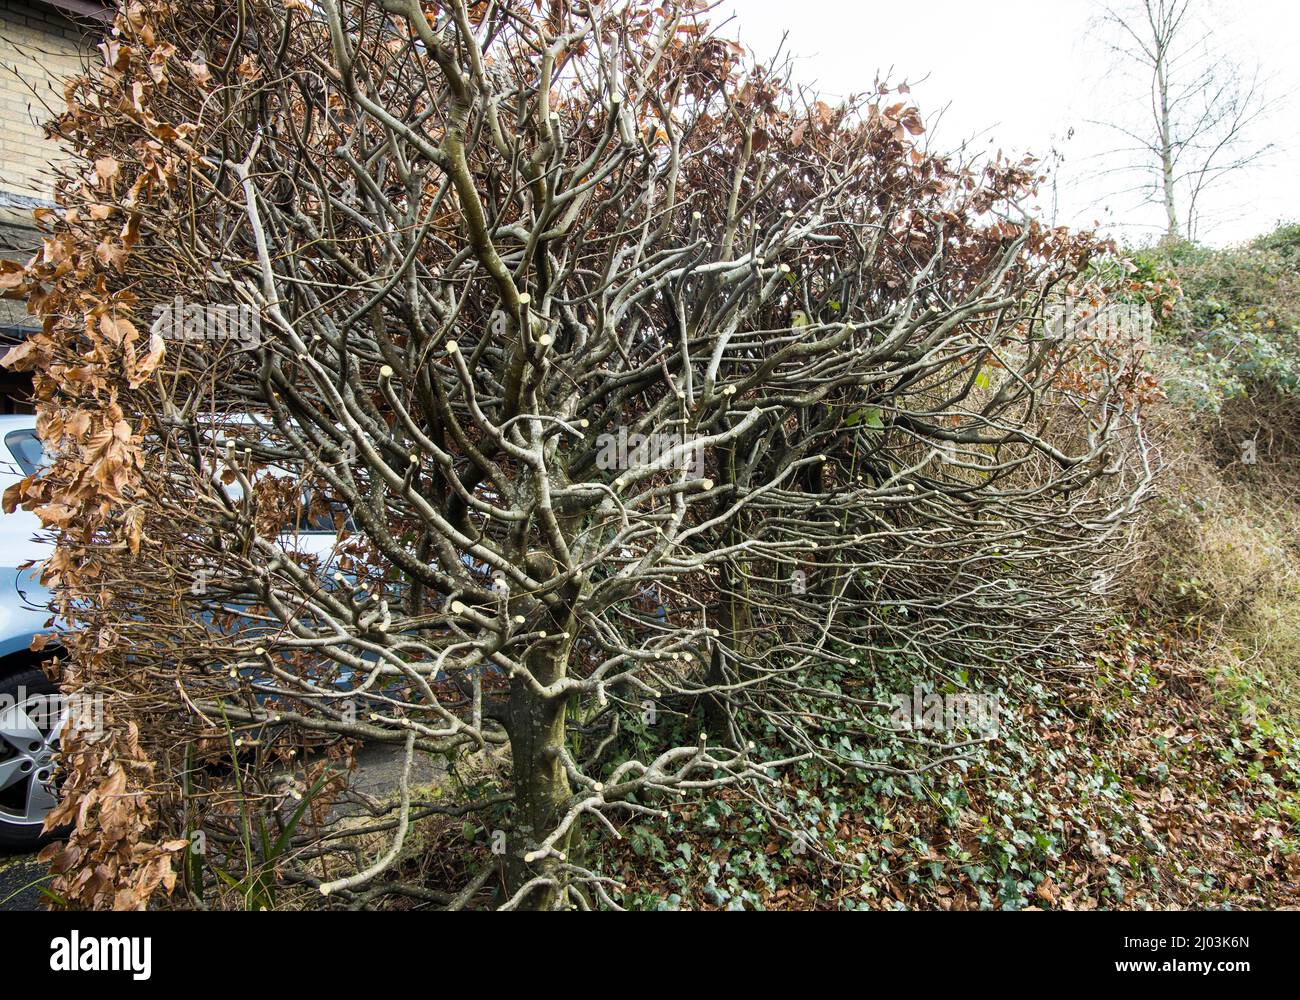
x,y
1024,73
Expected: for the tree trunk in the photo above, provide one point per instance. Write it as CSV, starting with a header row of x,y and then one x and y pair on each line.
x,y
735,624
1173,230
542,792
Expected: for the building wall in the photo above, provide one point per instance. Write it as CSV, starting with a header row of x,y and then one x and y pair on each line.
x,y
39,48
41,45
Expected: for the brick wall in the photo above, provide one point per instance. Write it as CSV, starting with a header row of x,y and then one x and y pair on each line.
x,y
39,48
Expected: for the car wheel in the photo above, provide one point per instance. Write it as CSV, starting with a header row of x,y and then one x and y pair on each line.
x,y
29,729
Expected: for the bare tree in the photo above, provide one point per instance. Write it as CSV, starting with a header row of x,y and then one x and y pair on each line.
x,y
1198,112
637,382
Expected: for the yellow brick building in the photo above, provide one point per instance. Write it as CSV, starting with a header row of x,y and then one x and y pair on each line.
x,y
42,42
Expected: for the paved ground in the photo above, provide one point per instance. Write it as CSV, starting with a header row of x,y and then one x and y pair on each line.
x,y
17,873
379,771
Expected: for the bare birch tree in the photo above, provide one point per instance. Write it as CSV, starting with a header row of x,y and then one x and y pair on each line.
x,y
1197,113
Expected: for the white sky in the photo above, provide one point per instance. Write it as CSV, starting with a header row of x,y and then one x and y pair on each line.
x,y
1023,73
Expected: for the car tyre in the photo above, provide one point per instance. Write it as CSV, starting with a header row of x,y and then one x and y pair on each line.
x,y
28,741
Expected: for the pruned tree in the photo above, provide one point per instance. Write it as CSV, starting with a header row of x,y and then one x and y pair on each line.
x,y
1198,113
634,379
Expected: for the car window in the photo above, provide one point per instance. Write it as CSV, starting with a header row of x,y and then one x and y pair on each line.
x,y
325,519
27,451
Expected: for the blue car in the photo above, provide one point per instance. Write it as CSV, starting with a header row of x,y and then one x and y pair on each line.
x,y
28,698
31,709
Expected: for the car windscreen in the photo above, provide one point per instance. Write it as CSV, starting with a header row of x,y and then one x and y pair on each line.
x,y
27,451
